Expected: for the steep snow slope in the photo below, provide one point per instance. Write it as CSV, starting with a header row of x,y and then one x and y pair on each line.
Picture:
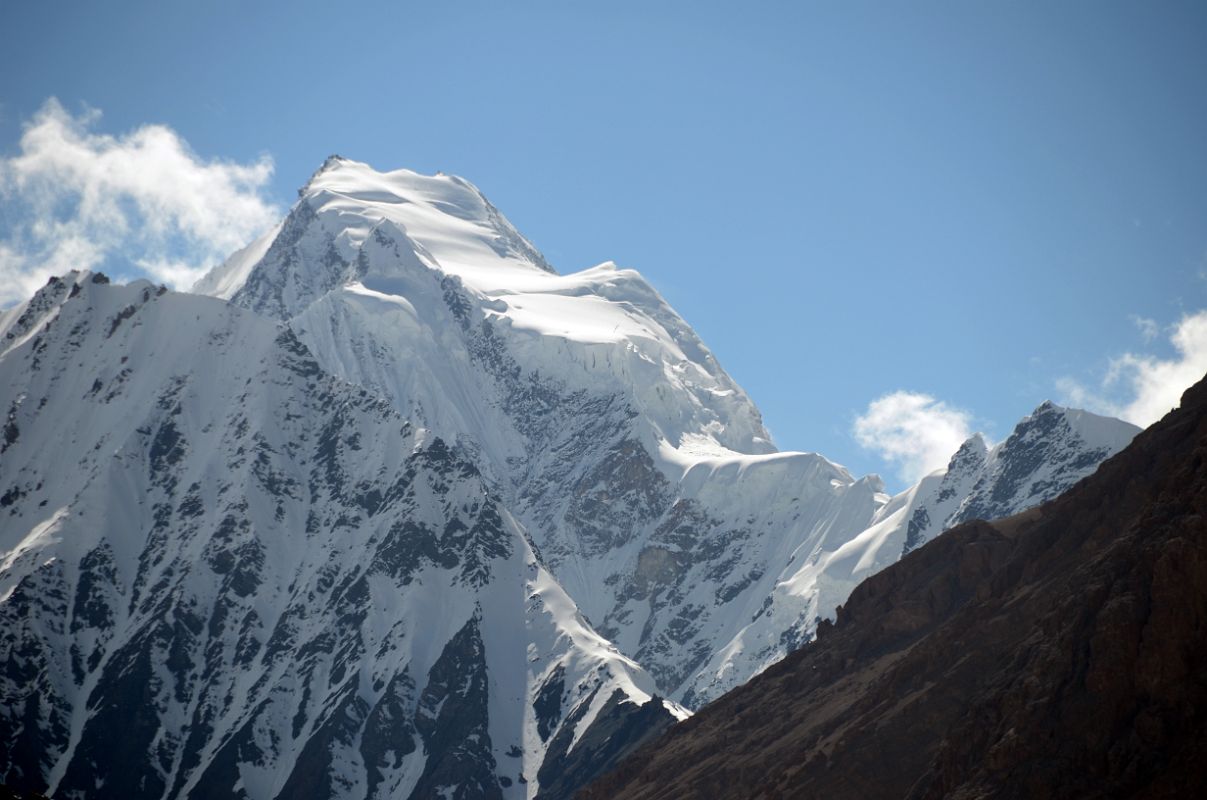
x,y
225,573
641,470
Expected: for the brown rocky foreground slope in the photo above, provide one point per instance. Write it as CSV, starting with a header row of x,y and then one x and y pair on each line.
x,y
1060,653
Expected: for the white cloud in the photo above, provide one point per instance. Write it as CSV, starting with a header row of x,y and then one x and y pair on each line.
x,y
1149,329
1156,384
915,432
1075,394
1142,388
72,198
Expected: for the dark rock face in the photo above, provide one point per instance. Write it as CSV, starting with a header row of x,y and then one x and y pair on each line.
x,y
1058,653
8,793
389,734
548,705
621,492
452,720
279,285
1042,440
1049,451
620,728
34,726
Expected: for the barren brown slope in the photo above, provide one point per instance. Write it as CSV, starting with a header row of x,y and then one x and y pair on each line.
x,y
1061,653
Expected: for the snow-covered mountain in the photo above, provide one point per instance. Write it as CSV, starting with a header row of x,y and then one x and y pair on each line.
x,y
226,573
641,470
1049,450
399,509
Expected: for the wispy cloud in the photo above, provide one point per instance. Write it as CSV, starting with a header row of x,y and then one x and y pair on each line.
x,y
1148,328
914,432
1141,388
73,198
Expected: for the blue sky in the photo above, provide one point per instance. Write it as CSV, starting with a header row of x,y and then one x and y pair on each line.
x,y
989,204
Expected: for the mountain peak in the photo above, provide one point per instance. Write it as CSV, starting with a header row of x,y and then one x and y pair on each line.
x,y
20,321
437,222
976,442
332,161
971,455
1094,430
450,220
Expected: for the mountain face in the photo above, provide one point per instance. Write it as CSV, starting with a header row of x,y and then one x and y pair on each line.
x,y
398,511
642,472
1055,654
265,579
